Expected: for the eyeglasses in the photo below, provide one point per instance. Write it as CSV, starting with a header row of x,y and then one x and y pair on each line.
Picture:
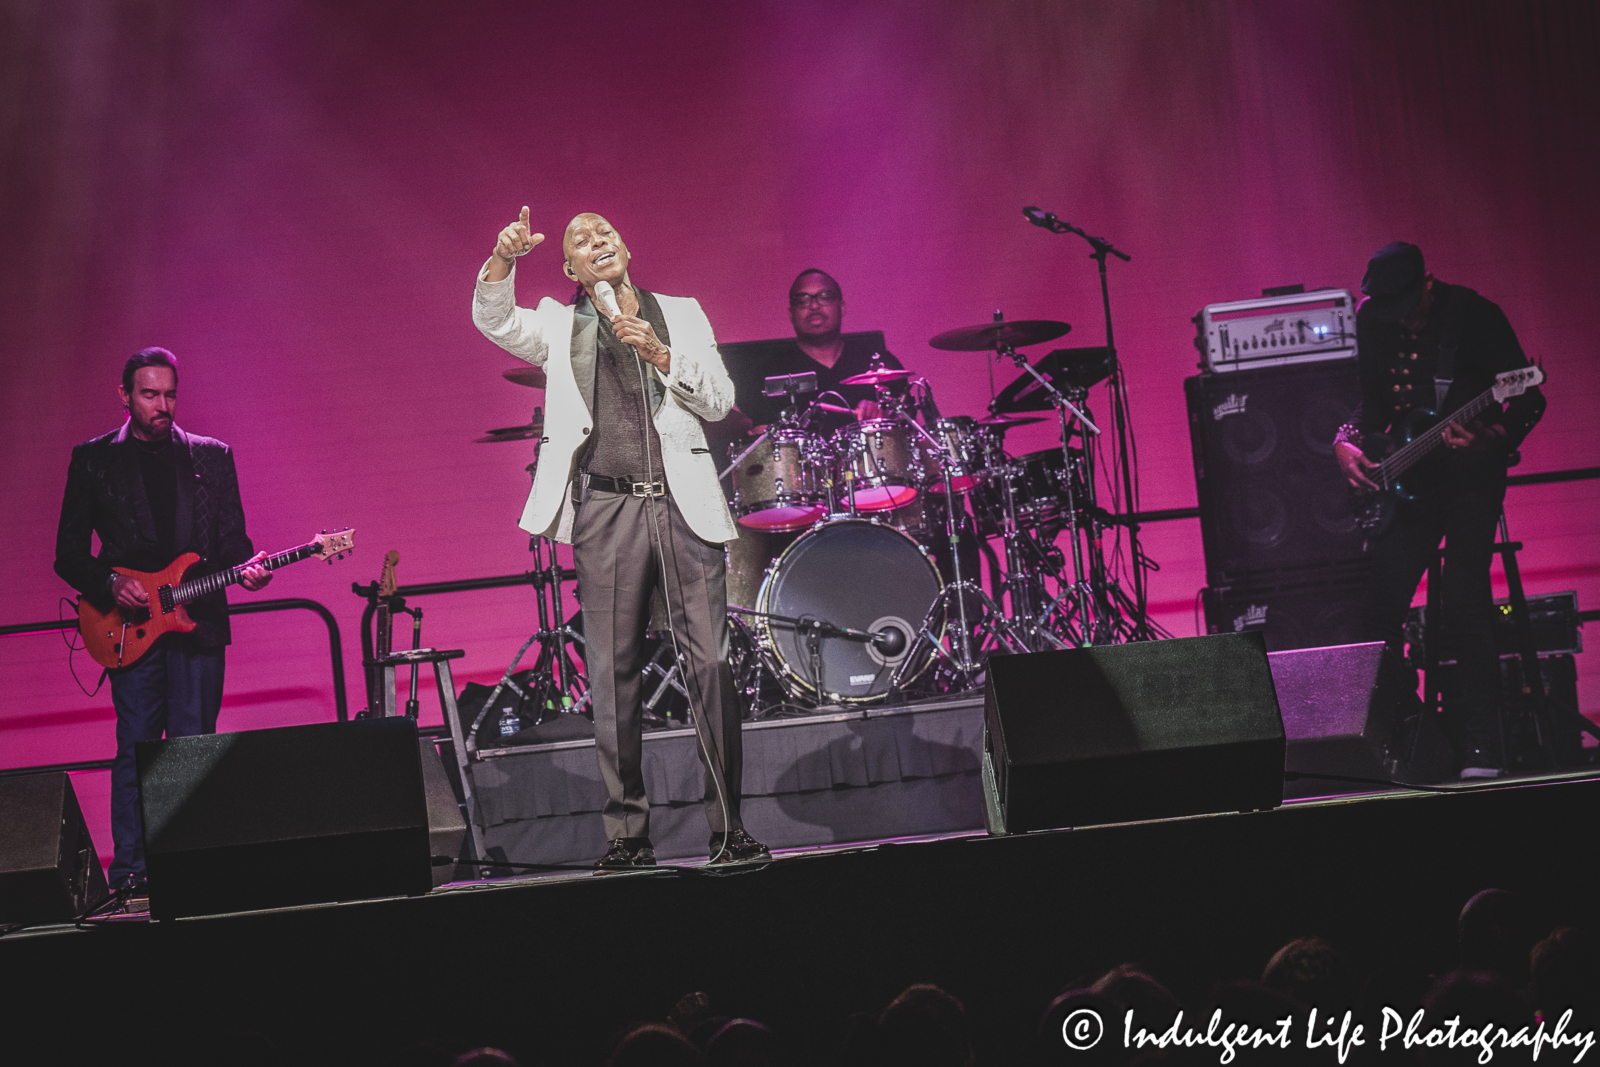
x,y
800,300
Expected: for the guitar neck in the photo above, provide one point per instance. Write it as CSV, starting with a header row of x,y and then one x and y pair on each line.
x,y
1418,448
184,592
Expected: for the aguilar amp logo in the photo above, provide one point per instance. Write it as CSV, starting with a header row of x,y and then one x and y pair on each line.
x,y
1233,405
1254,615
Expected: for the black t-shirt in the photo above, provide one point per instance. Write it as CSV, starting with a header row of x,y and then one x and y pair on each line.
x,y
159,466
750,364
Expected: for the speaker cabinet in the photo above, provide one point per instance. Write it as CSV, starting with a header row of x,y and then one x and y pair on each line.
x,y
1118,733
274,818
49,871
1271,496
1316,611
1346,712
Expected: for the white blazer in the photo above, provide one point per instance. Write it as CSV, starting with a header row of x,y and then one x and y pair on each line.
x,y
697,388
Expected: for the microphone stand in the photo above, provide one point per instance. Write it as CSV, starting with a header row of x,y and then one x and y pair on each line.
x,y
1126,450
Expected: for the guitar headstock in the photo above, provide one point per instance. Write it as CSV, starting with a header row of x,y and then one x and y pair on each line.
x,y
332,546
386,584
1516,382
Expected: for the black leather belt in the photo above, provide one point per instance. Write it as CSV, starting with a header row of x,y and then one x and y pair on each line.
x,y
628,486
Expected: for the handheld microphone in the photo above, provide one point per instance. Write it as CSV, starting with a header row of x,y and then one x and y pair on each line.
x,y
607,297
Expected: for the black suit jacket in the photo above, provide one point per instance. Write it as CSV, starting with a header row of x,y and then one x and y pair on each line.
x,y
105,496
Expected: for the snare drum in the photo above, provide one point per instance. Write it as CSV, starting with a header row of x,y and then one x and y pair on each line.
x,y
886,459
780,486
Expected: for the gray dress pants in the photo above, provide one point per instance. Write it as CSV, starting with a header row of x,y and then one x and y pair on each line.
x,y
622,547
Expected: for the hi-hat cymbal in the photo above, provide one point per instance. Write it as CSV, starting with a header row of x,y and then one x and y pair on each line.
x,y
533,377
992,335
876,376
1006,422
513,433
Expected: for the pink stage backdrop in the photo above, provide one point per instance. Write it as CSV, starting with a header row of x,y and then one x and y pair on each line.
x,y
293,197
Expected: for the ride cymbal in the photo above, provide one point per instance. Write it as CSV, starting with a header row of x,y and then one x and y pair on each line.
x,y
993,335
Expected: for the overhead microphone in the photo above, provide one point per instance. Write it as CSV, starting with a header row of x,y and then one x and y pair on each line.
x,y
1039,217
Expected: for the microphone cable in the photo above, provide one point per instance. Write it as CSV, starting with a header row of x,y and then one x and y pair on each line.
x,y
702,725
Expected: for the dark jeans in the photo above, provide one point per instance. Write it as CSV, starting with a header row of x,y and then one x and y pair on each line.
x,y
1463,513
174,691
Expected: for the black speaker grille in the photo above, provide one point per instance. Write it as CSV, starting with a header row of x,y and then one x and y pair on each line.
x,y
1271,497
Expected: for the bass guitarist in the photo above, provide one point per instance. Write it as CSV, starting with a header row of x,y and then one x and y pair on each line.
x,y
150,492
1426,345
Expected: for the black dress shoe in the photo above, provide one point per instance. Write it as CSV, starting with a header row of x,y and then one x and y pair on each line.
x,y
627,852
739,847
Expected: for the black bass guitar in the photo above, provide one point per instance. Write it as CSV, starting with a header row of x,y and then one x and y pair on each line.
x,y
1420,434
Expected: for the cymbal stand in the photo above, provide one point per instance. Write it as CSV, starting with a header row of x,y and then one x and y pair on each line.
x,y
961,659
1065,405
556,675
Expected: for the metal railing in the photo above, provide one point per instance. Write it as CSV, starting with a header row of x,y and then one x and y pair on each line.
x,y
335,658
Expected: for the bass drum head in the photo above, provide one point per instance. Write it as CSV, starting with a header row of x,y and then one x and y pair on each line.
x,y
859,575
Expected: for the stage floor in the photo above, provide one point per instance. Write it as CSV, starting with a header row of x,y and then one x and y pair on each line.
x,y
551,966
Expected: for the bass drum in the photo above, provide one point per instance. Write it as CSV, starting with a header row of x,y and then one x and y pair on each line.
x,y
856,574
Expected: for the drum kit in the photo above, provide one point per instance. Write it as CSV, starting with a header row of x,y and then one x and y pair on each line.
x,y
855,579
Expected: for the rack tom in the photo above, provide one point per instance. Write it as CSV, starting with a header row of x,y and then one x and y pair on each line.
x,y
781,485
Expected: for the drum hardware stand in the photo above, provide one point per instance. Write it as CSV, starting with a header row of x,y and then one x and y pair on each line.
x,y
964,665
1063,403
554,670
671,678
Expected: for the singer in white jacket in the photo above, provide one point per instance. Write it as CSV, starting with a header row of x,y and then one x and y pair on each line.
x,y
626,476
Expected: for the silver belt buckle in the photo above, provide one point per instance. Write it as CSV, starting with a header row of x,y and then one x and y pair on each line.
x,y
656,488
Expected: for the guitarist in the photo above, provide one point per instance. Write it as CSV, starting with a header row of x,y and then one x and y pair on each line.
x,y
1425,345
152,492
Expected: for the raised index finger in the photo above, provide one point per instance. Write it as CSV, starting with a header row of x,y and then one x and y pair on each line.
x,y
523,218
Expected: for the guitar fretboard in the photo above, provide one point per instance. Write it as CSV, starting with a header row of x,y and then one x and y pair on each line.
x,y
184,592
1418,447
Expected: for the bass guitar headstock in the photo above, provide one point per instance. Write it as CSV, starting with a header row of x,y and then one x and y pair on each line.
x,y
1516,382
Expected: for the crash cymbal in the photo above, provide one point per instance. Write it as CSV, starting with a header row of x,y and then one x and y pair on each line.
x,y
1006,422
529,432
1065,368
533,377
876,376
992,335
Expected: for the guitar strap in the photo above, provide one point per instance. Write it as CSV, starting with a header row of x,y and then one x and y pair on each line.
x,y
1444,374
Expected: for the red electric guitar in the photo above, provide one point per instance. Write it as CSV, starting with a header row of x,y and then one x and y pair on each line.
x,y
119,637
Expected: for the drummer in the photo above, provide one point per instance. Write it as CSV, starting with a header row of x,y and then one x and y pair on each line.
x,y
816,309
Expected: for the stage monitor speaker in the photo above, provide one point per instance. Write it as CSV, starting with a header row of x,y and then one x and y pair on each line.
x,y
275,818
1119,733
1346,713
1319,610
1271,496
49,871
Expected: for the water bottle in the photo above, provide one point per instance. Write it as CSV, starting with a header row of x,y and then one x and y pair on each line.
x,y
510,723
